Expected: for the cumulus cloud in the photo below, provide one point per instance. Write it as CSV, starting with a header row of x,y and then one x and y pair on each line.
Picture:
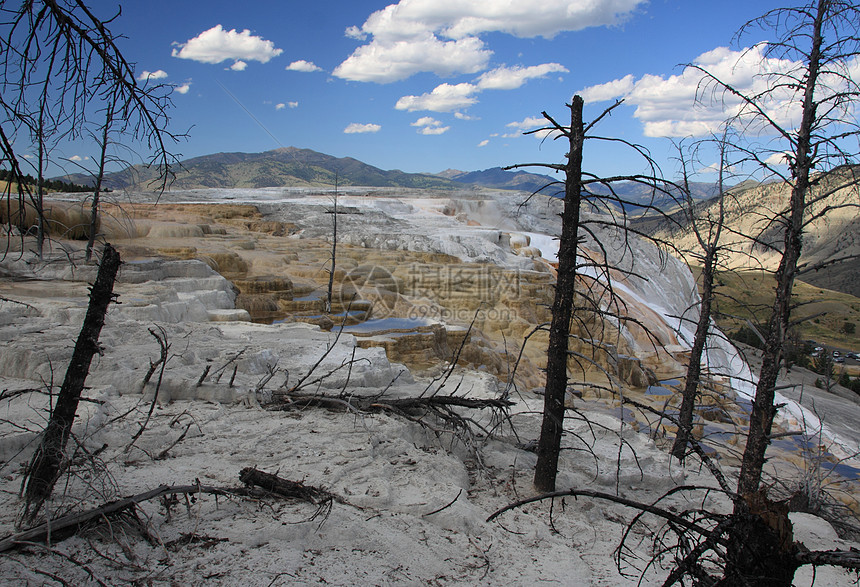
x,y
610,90
443,98
216,45
484,143
667,106
391,61
239,66
280,106
145,76
78,158
462,116
511,78
528,124
354,32
357,128
448,97
182,88
304,66
443,37
427,125
777,159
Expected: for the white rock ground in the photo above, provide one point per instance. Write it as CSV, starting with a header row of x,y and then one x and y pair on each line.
x,y
391,476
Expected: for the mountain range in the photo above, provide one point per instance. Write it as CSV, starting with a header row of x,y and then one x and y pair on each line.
x,y
750,212
294,167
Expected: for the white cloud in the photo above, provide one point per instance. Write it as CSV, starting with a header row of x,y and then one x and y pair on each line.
x,y
385,62
528,124
293,104
182,88
302,65
777,159
280,106
443,98
523,18
484,143
434,130
354,32
356,128
239,66
443,36
145,76
461,116
425,121
610,90
216,45
511,78
667,106
430,126
448,97
78,158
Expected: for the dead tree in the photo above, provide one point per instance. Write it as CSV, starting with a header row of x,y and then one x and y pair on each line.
x,y
47,463
598,299
820,41
333,248
549,444
820,38
710,247
61,62
100,175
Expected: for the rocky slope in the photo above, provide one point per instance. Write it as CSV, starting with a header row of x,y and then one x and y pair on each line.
x,y
421,280
756,212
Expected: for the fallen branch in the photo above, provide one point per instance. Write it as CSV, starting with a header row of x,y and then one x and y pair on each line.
x,y
267,486
374,403
284,487
643,507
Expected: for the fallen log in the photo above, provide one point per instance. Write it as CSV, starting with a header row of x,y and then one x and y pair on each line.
x,y
284,487
375,403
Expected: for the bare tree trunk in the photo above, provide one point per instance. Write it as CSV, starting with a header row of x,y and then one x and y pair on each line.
x,y
549,444
710,245
94,210
47,463
749,531
41,227
763,410
333,249
694,368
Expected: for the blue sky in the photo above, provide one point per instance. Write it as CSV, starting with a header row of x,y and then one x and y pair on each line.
x,y
426,85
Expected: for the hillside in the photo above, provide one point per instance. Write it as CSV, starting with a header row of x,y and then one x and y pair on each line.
x,y
284,167
498,178
754,212
294,167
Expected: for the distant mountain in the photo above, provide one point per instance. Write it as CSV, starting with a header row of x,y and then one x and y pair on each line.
x,y
294,167
285,167
498,178
630,191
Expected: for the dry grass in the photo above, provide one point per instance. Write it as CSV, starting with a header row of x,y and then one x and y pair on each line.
x,y
748,295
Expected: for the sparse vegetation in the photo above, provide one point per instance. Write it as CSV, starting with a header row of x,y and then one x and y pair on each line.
x,y
50,185
821,315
